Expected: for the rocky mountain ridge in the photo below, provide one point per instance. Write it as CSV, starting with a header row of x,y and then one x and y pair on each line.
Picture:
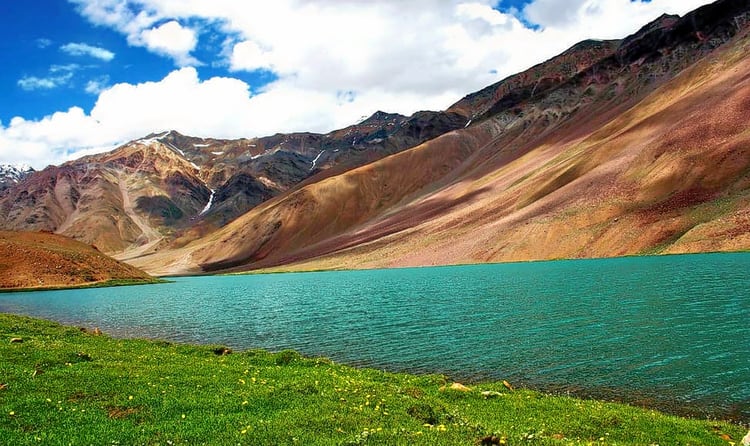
x,y
11,174
145,193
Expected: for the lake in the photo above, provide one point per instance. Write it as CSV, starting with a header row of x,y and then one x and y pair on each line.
x,y
668,332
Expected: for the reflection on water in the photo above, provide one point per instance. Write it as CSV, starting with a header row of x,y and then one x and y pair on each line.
x,y
666,331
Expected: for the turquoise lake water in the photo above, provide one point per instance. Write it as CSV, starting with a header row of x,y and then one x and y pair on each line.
x,y
667,332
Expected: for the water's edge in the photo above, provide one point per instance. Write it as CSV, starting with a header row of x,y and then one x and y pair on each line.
x,y
669,333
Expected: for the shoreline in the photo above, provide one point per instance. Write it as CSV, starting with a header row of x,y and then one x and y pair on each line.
x,y
61,383
280,270
668,405
98,284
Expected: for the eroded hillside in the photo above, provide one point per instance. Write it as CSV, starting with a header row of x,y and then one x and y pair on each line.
x,y
644,151
42,260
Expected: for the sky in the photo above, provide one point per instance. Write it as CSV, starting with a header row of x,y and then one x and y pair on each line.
x,y
83,76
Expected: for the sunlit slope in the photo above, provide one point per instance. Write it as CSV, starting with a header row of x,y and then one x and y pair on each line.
x,y
669,174
320,217
42,260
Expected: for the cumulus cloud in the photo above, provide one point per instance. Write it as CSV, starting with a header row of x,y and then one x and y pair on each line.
x,y
333,61
422,47
249,56
144,26
84,49
220,107
126,111
173,40
605,19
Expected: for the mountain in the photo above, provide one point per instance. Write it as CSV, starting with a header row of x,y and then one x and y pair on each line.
x,y
632,146
642,150
43,260
11,174
142,195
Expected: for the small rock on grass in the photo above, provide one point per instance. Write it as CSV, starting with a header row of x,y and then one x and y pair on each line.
x,y
491,394
222,351
16,340
492,440
460,387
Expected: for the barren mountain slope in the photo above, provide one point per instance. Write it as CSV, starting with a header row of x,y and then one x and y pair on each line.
x,y
670,176
127,198
10,175
145,194
628,156
43,260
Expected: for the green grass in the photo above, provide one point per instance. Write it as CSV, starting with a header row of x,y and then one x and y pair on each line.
x,y
64,386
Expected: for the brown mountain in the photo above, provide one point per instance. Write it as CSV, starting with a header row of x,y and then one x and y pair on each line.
x,y
137,198
643,150
611,148
44,260
10,175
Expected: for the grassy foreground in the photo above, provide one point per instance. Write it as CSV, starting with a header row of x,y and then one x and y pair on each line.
x,y
59,385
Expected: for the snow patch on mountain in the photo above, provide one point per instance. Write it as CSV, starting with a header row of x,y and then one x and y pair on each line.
x,y
210,202
13,173
315,161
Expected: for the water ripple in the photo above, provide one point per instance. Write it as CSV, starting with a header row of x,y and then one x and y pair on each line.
x,y
670,331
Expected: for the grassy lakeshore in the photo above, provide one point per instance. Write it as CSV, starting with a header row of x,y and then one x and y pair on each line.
x,y
60,385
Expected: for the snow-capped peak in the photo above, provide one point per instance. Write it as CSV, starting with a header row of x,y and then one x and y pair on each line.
x,y
14,172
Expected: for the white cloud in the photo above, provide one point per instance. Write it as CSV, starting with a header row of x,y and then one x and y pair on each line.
x,y
334,60
249,56
181,101
31,83
139,22
98,85
417,47
173,40
605,19
67,68
84,49
220,107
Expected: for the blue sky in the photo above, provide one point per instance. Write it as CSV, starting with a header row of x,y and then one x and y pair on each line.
x,y
31,44
81,76
30,47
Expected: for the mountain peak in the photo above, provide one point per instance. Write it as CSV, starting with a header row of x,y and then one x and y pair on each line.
x,y
162,134
11,174
380,117
14,172
23,167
